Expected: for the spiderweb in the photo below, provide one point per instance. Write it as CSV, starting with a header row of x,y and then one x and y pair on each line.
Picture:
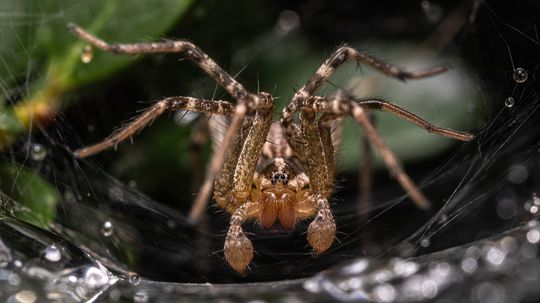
x,y
114,228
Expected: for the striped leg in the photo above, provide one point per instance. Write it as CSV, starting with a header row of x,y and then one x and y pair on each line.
x,y
162,106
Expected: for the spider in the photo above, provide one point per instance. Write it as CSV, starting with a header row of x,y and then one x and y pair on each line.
x,y
274,172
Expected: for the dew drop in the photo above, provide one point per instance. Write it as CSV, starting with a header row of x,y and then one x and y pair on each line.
x,y
87,54
140,297
384,293
134,278
520,75
287,21
509,102
37,152
107,229
432,11
533,236
425,242
95,278
52,253
24,296
469,265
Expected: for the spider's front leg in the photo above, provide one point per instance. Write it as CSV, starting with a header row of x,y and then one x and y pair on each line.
x,y
233,186
319,154
238,248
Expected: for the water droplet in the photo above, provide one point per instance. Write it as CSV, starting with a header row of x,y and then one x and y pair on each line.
x,y
520,75
429,289
52,253
107,229
509,102
134,278
384,293
432,11
287,21
425,242
469,265
506,208
14,279
140,297
495,256
94,278
533,236
24,296
87,54
37,152
536,200
518,173
488,292
404,268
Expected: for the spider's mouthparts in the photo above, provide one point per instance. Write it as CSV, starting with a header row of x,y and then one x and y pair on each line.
x,y
278,206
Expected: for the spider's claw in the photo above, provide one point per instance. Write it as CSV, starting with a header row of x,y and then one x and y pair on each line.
x,y
322,232
238,249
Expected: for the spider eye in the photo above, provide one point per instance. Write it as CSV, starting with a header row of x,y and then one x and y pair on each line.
x,y
279,177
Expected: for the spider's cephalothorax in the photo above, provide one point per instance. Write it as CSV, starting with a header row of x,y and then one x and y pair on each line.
x,y
274,172
278,189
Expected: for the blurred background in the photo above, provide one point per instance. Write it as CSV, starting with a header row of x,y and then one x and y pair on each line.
x,y
126,207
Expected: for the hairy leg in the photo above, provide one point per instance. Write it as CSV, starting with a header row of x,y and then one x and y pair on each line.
x,y
160,107
343,104
246,101
338,57
238,248
190,50
233,183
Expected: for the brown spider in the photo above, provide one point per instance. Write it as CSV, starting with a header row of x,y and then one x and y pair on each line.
x,y
291,178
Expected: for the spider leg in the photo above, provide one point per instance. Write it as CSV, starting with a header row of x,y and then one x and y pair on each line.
x,y
338,57
162,106
192,52
365,175
322,230
386,106
319,154
246,101
238,248
198,139
233,184
343,104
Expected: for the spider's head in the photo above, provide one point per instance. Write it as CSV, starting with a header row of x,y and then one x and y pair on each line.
x,y
279,194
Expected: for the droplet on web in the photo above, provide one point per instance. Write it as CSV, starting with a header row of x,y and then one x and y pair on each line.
x,y
509,102
432,11
37,152
87,54
52,253
134,278
520,75
107,229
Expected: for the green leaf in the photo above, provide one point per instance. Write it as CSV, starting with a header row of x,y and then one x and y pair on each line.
x,y
34,199
37,45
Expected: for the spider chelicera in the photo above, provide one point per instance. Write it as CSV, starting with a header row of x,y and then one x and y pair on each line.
x,y
274,171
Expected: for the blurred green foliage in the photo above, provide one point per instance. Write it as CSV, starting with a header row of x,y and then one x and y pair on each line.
x,y
32,198
42,64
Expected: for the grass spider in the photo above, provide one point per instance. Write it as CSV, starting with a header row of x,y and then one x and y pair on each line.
x,y
274,171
